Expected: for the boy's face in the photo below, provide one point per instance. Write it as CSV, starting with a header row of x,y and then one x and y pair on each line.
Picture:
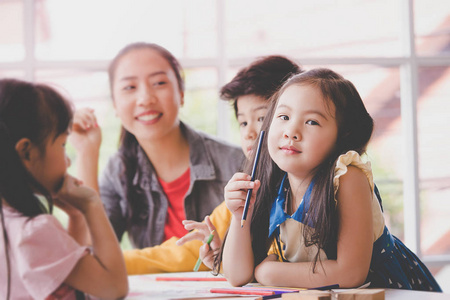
x,y
251,110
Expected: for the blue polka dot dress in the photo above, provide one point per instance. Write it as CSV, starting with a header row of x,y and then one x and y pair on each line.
x,y
393,265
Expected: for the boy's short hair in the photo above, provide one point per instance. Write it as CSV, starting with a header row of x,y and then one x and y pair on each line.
x,y
261,78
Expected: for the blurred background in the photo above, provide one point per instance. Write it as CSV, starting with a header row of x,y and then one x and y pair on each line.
x,y
396,52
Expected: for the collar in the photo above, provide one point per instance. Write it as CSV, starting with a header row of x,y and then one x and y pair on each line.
x,y
278,214
202,167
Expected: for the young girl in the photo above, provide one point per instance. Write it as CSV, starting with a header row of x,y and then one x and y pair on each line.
x,y
316,197
39,258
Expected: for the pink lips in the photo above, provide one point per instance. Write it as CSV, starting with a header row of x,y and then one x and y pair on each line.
x,y
249,151
290,150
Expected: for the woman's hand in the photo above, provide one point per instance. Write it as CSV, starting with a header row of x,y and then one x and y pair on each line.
x,y
201,231
86,135
235,193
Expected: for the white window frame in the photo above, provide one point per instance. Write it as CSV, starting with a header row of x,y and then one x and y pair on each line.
x,y
408,63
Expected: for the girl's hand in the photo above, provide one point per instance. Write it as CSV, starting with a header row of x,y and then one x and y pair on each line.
x,y
86,135
201,232
69,209
73,194
235,193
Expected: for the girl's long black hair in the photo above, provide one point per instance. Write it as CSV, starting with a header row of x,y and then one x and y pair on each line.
x,y
355,127
36,112
128,144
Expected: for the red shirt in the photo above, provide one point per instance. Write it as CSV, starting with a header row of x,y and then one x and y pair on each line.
x,y
175,192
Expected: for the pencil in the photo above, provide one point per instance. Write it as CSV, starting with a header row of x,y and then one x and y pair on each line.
x,y
162,278
326,287
249,192
237,291
199,260
274,296
279,295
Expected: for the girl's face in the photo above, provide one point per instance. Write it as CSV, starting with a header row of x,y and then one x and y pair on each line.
x,y
251,111
146,94
303,131
49,168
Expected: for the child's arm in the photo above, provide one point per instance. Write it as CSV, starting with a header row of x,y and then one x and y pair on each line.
x,y
354,247
77,227
101,274
238,260
170,256
86,138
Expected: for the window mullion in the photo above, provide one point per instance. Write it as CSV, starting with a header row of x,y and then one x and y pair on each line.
x,y
409,95
29,39
223,123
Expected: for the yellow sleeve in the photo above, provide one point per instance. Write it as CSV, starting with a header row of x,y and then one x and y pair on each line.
x,y
274,250
169,257
221,218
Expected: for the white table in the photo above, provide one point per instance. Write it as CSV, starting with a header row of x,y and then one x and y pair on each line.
x,y
146,287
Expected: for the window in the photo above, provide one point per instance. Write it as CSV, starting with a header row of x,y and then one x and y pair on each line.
x,y
396,52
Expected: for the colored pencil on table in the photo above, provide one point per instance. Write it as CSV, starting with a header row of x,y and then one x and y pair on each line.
x,y
199,260
321,288
326,287
238,291
249,192
274,296
161,278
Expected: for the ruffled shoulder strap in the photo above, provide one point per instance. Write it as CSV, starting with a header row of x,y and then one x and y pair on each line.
x,y
354,159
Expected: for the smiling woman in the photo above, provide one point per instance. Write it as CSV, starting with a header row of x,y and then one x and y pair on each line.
x,y
164,171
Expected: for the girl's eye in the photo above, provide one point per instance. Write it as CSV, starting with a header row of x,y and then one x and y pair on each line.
x,y
312,122
159,83
284,117
260,119
128,87
243,124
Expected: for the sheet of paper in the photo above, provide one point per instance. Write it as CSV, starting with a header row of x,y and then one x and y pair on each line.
x,y
146,287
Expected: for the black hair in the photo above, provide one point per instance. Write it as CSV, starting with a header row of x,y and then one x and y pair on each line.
x,y
36,112
261,78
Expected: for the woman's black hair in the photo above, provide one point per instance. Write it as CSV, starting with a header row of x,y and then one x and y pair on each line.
x,y
128,144
38,113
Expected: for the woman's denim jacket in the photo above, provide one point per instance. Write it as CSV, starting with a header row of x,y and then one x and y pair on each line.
x,y
212,164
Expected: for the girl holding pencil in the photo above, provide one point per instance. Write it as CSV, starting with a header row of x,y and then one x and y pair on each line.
x,y
316,196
